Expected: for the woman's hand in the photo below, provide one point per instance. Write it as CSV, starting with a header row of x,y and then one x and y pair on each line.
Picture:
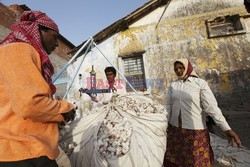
x,y
233,138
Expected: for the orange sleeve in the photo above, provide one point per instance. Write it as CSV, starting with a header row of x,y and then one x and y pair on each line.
x,y
29,93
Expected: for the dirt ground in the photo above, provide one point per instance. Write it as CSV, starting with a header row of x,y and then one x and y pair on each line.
x,y
240,123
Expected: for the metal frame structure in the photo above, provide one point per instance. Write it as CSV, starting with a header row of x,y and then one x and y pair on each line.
x,y
89,44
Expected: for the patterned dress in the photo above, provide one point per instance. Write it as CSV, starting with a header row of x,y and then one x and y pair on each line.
x,y
186,148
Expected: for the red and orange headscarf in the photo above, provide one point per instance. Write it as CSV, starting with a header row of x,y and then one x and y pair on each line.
x,y
189,71
27,30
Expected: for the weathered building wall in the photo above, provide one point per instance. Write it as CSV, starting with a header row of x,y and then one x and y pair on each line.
x,y
183,8
3,32
10,15
223,61
7,18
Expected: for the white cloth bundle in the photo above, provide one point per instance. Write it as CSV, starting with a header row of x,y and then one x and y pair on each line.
x,y
129,131
228,156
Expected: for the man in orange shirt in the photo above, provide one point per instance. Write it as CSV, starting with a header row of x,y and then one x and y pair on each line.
x,y
29,115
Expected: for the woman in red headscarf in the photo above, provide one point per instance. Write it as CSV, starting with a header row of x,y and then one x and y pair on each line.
x,y
29,115
189,101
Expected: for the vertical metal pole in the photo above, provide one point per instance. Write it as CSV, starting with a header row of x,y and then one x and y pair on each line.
x,y
115,67
85,54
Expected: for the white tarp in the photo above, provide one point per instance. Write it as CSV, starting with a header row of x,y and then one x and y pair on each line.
x,y
227,156
147,142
